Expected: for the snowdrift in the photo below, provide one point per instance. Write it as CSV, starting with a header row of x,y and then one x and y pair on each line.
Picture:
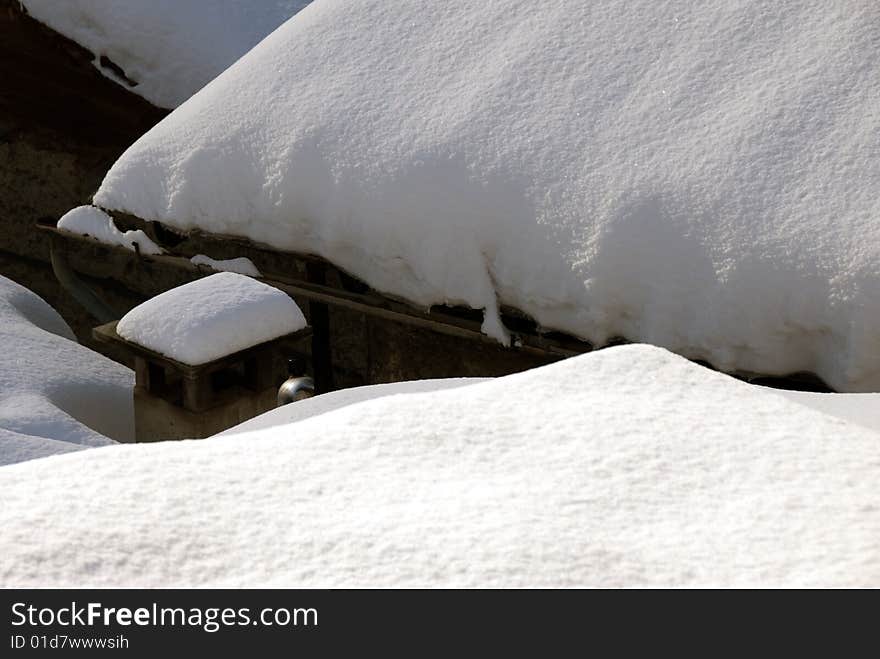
x,y
628,466
698,176
168,48
55,395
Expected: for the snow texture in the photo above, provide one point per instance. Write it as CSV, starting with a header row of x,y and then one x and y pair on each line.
x,y
169,48
211,318
625,467
55,395
861,409
95,223
701,176
242,265
309,407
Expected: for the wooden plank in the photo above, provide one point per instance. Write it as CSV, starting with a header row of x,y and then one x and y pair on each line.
x,y
370,303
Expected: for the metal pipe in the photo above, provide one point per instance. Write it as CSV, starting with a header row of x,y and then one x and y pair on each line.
x,y
295,389
80,291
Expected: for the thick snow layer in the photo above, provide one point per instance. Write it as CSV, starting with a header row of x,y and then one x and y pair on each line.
x,y
862,409
242,265
170,48
627,466
18,447
309,407
55,395
211,318
95,223
701,176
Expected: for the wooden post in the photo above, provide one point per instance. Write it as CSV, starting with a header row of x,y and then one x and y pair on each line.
x,y
322,363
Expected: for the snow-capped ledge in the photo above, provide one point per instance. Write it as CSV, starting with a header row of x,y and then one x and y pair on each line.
x,y
94,223
211,318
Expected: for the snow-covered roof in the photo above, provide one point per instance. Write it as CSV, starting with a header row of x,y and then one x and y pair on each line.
x,y
55,395
169,48
628,466
701,176
211,318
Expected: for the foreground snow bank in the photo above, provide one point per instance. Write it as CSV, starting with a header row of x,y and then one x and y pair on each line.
x,y
860,409
335,400
700,176
55,395
171,49
628,466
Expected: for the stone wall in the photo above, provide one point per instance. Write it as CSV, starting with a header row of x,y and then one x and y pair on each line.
x,y
62,124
